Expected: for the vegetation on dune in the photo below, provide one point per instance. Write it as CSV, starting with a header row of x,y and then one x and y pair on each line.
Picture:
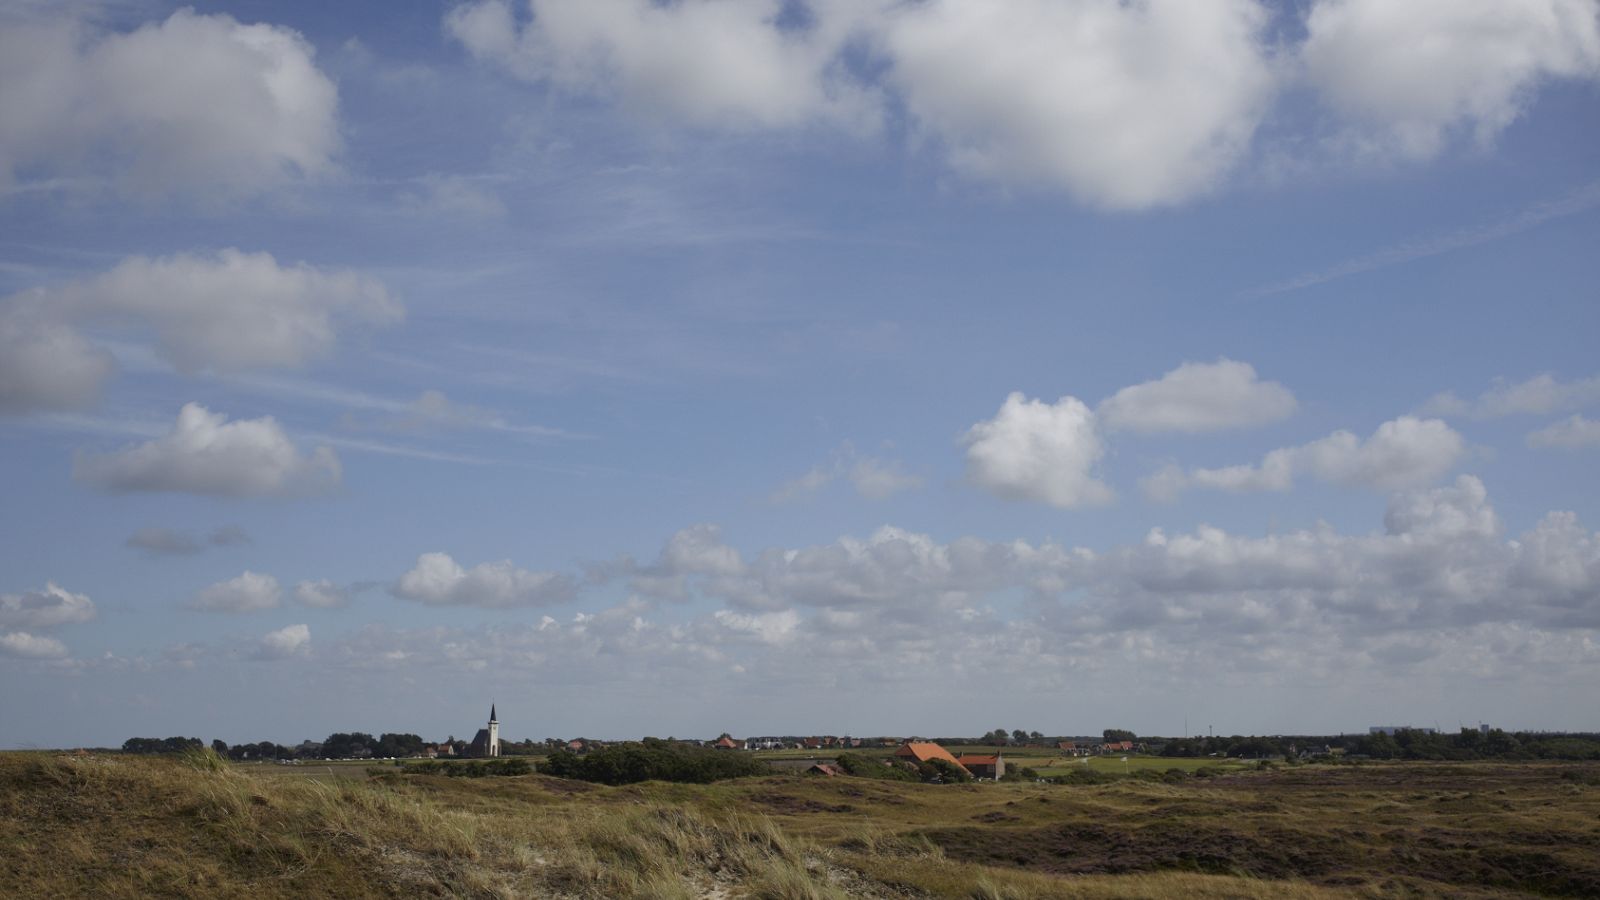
x,y
504,767
194,825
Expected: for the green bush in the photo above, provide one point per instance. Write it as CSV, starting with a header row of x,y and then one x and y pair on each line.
x,y
862,766
474,769
653,760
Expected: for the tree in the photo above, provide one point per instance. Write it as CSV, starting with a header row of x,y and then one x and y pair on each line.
x,y
1118,734
943,771
220,747
1019,736
340,745
397,745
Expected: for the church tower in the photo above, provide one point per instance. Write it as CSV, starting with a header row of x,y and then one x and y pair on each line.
x,y
494,733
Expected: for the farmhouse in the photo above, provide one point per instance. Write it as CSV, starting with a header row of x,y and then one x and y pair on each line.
x,y
984,766
923,751
825,769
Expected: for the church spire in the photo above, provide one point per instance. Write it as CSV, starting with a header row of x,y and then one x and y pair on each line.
x,y
491,713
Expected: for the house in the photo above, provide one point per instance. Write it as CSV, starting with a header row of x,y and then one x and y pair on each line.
x,y
812,743
923,751
726,743
825,769
984,766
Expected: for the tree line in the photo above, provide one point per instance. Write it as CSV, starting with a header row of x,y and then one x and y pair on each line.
x,y
652,759
1406,743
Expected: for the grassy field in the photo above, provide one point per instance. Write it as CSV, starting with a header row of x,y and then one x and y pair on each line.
x,y
118,826
1048,763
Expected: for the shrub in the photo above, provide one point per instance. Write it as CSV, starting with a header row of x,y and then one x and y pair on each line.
x,y
653,760
866,767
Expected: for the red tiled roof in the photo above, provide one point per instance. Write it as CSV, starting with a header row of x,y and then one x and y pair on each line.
x,y
922,751
968,760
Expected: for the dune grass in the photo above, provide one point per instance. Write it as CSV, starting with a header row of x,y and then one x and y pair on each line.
x,y
117,827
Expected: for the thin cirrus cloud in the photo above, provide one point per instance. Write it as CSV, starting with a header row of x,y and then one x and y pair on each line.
x,y
196,105
224,312
1402,452
438,580
207,454
873,477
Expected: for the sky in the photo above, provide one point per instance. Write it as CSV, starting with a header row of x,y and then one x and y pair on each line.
x,y
797,366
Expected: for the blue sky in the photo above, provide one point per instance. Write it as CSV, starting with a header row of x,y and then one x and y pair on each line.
x,y
797,367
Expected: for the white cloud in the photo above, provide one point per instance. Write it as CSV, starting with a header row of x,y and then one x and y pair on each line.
x,y
196,104
1438,580
207,454
1540,395
1032,450
286,642
438,580
699,550
1570,434
45,364
709,62
1411,74
28,646
1461,510
48,608
321,594
225,312
249,592
1197,397
1403,452
1126,105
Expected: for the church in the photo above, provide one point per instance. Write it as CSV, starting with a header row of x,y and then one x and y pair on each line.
x,y
487,741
